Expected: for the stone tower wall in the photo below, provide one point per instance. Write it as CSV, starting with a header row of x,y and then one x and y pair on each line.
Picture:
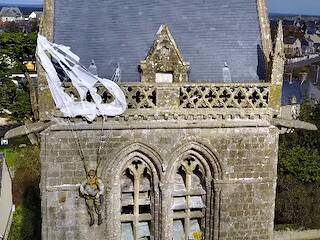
x,y
244,180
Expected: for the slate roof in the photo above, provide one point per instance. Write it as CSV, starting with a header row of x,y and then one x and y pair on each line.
x,y
315,38
208,33
288,22
306,41
10,12
290,40
312,30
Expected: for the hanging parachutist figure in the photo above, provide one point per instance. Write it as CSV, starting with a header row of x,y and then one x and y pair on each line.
x,y
92,189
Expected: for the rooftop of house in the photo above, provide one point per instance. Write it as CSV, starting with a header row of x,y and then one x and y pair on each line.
x,y
290,40
10,12
36,14
306,41
208,34
312,30
314,38
288,22
311,24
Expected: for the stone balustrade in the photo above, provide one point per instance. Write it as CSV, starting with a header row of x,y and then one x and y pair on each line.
x,y
196,95
198,99
192,100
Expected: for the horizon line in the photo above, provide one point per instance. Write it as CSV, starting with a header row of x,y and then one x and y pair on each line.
x,y
41,4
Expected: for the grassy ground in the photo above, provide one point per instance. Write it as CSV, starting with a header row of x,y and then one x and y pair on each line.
x,y
11,151
10,154
23,161
26,194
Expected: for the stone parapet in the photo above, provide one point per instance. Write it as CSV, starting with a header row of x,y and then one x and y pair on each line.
x,y
176,101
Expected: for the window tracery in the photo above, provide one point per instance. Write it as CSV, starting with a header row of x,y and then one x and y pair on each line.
x,y
137,200
188,201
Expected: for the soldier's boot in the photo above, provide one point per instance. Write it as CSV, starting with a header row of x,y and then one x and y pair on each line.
x,y
91,220
100,219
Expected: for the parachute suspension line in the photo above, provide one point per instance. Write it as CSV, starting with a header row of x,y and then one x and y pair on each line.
x,y
77,141
100,143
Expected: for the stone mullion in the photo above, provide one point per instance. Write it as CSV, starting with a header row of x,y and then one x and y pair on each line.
x,y
167,215
207,211
136,205
155,205
216,214
188,212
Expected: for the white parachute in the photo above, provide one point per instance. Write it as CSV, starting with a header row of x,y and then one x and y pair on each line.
x,y
84,82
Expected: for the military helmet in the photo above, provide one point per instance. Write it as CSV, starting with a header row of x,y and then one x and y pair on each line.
x,y
92,172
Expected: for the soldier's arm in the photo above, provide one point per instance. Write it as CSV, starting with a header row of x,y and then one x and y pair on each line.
x,y
82,190
100,186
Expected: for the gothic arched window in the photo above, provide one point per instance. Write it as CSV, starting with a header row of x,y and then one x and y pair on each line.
x,y
188,201
137,201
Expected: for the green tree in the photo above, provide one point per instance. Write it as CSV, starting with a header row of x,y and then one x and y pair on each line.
x,y
298,186
299,152
7,87
18,47
15,47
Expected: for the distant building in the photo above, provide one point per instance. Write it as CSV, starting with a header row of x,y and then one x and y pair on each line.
x,y
292,47
288,22
11,14
315,39
307,46
36,15
6,204
311,30
30,66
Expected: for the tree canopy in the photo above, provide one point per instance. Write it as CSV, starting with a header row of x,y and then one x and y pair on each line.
x,y
15,48
299,152
298,185
18,47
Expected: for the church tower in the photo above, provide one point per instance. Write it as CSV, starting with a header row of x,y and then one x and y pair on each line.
x,y
193,157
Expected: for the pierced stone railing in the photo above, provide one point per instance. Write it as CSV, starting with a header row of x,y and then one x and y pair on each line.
x,y
192,100
139,97
214,96
196,96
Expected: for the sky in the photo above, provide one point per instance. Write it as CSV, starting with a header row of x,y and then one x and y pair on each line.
x,y
308,7
24,2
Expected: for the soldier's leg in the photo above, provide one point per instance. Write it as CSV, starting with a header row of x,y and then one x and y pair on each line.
x,y
97,204
90,206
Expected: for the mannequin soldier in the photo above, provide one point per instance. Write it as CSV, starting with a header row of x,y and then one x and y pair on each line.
x,y
92,190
